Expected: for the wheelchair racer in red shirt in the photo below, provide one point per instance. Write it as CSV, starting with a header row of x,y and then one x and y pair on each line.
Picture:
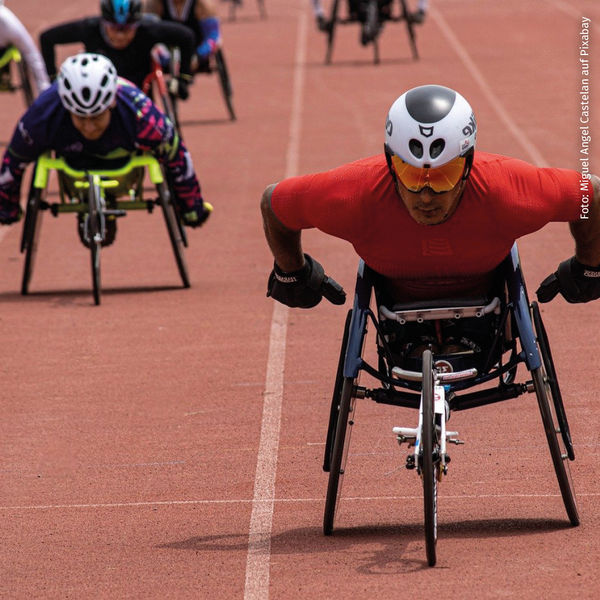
x,y
433,216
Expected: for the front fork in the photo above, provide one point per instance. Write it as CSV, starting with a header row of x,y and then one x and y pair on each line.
x,y
412,436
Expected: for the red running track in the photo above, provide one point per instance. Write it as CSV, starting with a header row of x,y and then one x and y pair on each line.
x,y
153,447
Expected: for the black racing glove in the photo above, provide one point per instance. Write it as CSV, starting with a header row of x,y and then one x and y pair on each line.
x,y
197,216
304,288
179,87
576,282
10,214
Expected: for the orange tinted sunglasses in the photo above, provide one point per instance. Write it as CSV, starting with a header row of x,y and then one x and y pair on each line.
x,y
440,179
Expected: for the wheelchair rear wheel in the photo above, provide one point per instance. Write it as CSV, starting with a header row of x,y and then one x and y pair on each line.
x,y
171,219
430,459
225,82
26,86
335,403
31,232
410,29
560,457
559,407
331,31
339,455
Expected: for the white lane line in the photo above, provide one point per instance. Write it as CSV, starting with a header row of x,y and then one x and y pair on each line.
x,y
261,522
418,498
572,11
519,135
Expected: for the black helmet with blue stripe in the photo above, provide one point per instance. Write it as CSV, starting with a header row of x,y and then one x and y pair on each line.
x,y
121,12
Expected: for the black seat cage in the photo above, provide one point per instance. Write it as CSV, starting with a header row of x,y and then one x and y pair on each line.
x,y
400,392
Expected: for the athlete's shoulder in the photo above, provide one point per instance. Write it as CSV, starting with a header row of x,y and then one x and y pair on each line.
x,y
130,94
42,121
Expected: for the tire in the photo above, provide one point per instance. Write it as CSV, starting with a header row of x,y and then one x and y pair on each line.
x,y
31,232
26,86
559,407
181,227
339,454
556,444
331,32
225,81
96,234
335,401
410,30
171,220
429,460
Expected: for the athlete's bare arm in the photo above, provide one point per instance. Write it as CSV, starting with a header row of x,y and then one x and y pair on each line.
x,y
587,231
153,7
205,9
285,244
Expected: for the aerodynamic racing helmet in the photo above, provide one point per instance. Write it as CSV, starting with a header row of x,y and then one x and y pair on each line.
x,y
121,12
87,84
430,135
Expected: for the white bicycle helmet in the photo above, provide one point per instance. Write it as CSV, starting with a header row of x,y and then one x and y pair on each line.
x,y
87,84
429,126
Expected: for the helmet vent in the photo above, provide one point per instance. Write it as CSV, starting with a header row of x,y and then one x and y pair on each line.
x,y
436,148
416,148
86,94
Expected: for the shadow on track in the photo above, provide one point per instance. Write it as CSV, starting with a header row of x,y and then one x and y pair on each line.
x,y
70,296
393,554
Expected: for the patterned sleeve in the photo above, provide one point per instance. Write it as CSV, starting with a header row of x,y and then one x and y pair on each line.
x,y
27,144
156,134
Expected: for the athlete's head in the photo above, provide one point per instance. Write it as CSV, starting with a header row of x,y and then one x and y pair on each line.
x,y
120,19
430,135
87,85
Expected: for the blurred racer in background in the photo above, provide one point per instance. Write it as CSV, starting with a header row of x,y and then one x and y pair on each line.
x,y
200,16
13,32
93,119
371,14
126,37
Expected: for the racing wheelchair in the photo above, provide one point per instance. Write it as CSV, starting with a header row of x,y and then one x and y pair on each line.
x,y
92,195
157,81
10,61
372,17
439,384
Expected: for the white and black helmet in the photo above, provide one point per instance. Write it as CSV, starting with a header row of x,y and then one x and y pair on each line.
x,y
429,126
87,84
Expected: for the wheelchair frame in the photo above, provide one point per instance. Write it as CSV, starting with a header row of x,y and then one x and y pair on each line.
x,y
403,16
92,204
13,56
435,393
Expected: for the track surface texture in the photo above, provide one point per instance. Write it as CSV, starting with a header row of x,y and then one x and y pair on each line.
x,y
168,444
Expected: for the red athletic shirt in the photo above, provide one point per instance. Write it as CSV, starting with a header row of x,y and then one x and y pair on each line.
x,y
504,199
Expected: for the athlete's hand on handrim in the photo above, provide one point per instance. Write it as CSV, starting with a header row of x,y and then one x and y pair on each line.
x,y
304,288
574,281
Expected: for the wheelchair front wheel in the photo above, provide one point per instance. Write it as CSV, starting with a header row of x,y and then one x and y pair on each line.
x,y
166,203
339,456
96,233
430,459
560,457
